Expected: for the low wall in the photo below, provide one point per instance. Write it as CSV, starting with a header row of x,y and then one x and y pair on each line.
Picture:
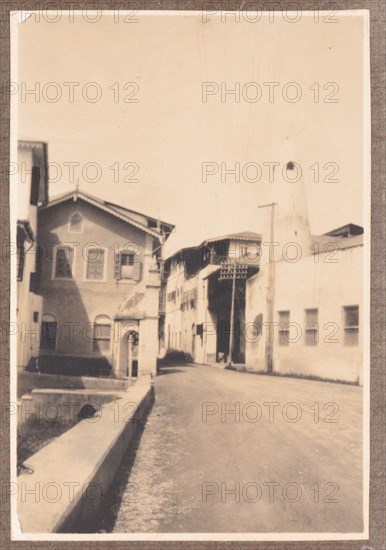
x,y
62,405
75,365
70,476
27,381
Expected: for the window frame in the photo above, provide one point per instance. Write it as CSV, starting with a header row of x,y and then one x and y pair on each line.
x,y
282,331
137,260
53,275
308,325
350,328
69,222
105,262
95,340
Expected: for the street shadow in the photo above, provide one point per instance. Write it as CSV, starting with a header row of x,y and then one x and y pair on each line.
x,y
170,370
110,505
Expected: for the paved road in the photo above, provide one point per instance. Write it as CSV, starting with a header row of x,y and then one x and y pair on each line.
x,y
299,476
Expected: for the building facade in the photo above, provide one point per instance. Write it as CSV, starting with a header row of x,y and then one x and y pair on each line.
x,y
304,312
99,281
298,308
316,328
197,302
32,192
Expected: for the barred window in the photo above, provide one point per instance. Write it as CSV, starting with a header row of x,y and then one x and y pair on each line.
x,y
351,325
312,327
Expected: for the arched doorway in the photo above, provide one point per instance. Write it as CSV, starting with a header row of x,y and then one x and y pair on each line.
x,y
131,346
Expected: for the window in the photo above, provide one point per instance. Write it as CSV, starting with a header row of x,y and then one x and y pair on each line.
x,y
351,325
249,253
64,262
76,223
35,184
127,266
171,297
48,332
284,319
95,266
312,327
102,334
20,260
22,230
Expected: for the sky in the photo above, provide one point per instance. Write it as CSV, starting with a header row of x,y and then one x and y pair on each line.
x,y
149,122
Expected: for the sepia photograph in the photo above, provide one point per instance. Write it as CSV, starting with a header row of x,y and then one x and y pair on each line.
x,y
190,274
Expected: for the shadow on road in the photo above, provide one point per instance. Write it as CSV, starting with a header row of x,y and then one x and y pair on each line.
x,y
105,520
171,368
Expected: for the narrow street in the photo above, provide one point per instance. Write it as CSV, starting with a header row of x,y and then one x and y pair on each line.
x,y
280,462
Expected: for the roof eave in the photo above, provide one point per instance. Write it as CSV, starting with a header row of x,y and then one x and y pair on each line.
x,y
86,198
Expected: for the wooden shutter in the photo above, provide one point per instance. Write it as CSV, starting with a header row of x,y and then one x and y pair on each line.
x,y
117,266
35,182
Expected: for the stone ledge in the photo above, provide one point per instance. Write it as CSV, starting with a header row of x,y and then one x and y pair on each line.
x,y
71,475
27,381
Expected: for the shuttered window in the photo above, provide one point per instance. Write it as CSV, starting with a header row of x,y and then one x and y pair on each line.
x,y
127,266
95,264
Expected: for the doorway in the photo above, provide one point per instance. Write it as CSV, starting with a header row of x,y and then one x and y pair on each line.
x,y
131,344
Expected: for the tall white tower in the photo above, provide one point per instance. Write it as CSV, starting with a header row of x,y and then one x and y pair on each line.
x,y
286,233
291,222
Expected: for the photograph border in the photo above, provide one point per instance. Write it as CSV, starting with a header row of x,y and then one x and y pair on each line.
x,y
377,335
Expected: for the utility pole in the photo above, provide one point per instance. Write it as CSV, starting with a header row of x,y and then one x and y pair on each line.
x,y
270,293
232,270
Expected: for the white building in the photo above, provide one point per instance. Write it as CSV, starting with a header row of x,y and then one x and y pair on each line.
x,y
299,309
304,311
316,326
32,191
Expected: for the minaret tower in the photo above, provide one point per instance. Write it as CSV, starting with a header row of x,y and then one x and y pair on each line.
x,y
291,222
286,233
